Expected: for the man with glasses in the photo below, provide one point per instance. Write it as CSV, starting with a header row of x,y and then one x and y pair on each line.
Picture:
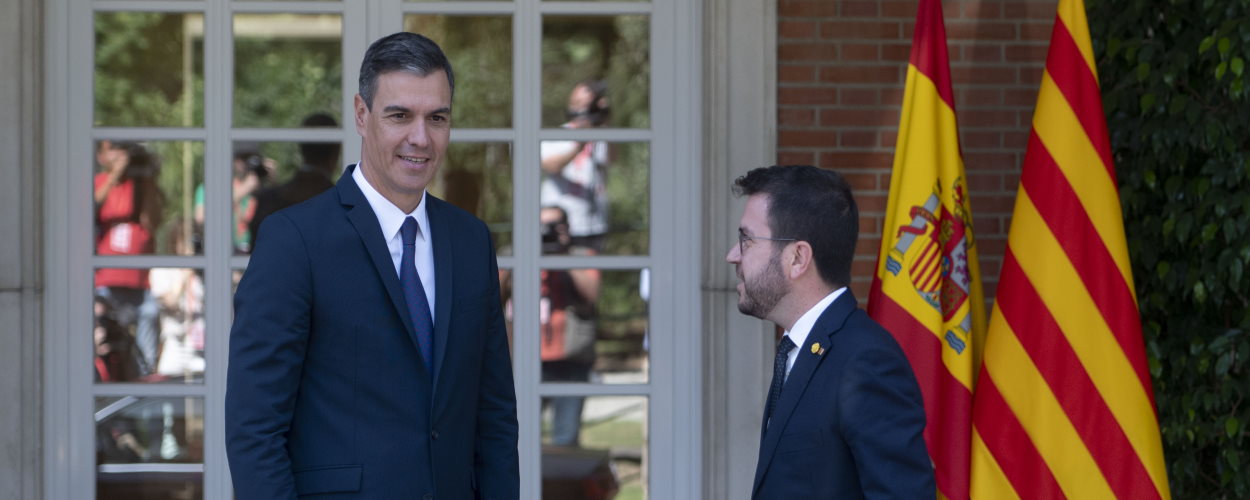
x,y
844,416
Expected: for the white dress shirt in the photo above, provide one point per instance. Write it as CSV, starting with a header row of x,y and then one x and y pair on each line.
x,y
804,325
391,219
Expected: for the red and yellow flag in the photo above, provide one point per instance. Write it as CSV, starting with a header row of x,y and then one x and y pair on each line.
x,y
927,287
1063,405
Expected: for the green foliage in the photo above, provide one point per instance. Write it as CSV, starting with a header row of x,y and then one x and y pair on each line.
x,y
142,74
281,79
1174,90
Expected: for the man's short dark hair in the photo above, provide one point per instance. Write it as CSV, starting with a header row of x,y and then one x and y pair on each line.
x,y
319,153
813,205
401,51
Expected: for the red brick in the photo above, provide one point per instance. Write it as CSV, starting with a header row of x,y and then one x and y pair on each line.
x,y
794,73
804,51
860,52
904,9
991,246
806,8
1032,53
870,202
861,181
983,75
856,159
806,138
982,139
1029,10
806,95
985,182
1034,32
987,118
896,52
861,74
975,160
1016,140
795,158
789,30
857,139
864,267
978,97
888,138
859,8
984,226
892,96
856,117
1031,75
955,53
850,30
990,53
983,10
796,117
975,30
859,97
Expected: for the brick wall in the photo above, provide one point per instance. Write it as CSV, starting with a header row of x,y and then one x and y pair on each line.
x,y
841,65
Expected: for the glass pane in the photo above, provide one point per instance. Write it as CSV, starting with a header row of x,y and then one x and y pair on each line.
x,y
269,176
594,447
149,325
478,178
149,69
480,51
286,66
593,325
600,191
596,71
144,197
149,447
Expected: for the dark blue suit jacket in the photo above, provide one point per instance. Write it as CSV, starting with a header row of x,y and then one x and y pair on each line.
x,y
850,421
327,393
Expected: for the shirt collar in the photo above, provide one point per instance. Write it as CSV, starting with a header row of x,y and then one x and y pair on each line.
x,y
798,334
390,217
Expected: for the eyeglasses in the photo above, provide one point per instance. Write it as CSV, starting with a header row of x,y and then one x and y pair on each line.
x,y
743,237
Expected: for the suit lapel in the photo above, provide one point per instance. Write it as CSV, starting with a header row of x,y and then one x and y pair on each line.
x,y
805,365
443,280
361,215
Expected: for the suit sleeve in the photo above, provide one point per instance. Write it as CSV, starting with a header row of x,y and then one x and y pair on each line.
x,y
883,418
267,343
496,461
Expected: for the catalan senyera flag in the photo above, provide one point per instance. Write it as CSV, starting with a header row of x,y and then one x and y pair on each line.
x,y
927,286
1063,405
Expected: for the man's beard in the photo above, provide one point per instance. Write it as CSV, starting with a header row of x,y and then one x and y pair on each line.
x,y
761,294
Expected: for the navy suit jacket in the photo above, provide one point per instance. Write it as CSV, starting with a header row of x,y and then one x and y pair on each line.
x,y
327,393
850,421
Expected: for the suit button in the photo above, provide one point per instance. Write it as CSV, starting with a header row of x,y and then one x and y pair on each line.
x,y
433,434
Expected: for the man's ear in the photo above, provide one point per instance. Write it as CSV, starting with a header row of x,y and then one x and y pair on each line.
x,y
800,260
362,110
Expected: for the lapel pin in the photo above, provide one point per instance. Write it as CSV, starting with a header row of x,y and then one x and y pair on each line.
x,y
817,350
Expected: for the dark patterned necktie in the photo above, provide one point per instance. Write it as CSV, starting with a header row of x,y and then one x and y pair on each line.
x,y
779,375
414,293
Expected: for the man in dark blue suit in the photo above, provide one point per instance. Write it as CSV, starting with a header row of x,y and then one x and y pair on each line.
x,y
368,358
844,418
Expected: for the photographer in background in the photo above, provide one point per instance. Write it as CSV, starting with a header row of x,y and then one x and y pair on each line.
x,y
568,324
250,172
128,207
574,171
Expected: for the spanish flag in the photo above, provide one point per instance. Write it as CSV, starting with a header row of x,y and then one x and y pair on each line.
x,y
1063,405
927,286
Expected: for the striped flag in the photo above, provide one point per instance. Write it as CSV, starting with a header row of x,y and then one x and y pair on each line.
x,y
927,287
1063,405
